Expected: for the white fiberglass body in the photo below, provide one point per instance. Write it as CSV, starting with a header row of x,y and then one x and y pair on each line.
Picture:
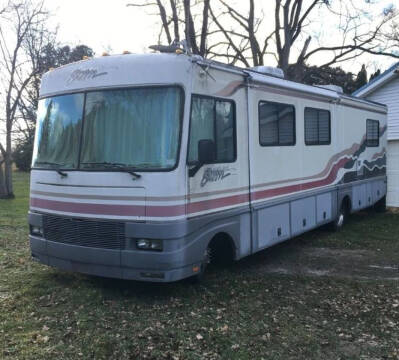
x,y
116,163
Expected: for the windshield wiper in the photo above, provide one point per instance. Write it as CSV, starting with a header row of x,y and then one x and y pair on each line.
x,y
145,165
119,166
63,174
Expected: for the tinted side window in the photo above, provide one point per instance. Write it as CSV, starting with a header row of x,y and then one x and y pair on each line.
x,y
372,133
212,119
276,124
317,127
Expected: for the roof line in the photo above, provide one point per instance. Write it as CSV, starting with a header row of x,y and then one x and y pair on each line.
x,y
379,77
276,81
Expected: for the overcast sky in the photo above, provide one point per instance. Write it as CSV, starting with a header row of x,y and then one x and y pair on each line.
x,y
108,25
101,24
105,24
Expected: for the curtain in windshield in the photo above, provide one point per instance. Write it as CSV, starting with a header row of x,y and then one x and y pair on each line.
x,y
133,127
58,127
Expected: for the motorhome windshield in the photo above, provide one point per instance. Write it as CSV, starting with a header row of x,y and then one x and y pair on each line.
x,y
136,128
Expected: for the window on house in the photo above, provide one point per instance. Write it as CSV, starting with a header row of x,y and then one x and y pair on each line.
x,y
317,127
372,133
212,119
276,124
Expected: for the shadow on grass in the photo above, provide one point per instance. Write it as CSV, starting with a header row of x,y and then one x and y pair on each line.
x,y
216,276
253,266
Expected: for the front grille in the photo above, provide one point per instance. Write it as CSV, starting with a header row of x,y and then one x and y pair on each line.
x,y
81,232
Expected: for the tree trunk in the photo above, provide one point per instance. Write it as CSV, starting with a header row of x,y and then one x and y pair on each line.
x,y
283,62
9,193
8,176
3,188
8,157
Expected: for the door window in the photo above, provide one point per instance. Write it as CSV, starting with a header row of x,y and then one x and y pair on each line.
x,y
212,119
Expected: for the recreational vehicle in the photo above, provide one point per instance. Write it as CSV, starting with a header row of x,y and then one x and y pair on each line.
x,y
147,166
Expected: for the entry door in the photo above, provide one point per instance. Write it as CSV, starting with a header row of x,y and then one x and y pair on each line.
x,y
223,184
276,161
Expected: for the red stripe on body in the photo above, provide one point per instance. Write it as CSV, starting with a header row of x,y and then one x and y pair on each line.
x,y
264,194
86,208
216,203
178,210
165,211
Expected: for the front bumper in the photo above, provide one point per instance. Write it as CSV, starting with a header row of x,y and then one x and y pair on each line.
x,y
121,264
181,254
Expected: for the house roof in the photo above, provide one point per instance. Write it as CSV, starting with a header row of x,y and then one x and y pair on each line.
x,y
378,81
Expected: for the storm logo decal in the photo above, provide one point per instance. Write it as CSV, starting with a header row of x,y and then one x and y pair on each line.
x,y
213,175
87,74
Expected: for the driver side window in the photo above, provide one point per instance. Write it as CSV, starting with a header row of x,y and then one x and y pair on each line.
x,y
212,119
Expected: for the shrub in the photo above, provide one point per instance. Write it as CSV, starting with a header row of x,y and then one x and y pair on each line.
x,y
22,154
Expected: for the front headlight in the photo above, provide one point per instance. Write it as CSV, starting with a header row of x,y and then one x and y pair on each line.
x,y
156,245
149,244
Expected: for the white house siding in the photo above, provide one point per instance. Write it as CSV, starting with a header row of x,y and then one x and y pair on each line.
x,y
393,173
389,94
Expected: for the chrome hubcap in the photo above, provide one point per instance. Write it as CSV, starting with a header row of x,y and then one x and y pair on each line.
x,y
340,220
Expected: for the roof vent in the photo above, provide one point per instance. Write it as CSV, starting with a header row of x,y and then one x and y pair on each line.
x,y
178,47
335,88
268,70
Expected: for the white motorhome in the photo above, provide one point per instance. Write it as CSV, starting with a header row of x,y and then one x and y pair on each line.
x,y
144,163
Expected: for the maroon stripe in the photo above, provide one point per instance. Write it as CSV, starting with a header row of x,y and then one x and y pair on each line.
x,y
109,209
217,203
263,194
85,208
165,211
137,210
377,155
176,210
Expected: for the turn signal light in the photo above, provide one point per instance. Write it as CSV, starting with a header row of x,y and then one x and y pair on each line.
x,y
36,230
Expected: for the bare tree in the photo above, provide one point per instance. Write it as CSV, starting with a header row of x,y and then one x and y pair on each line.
x,y
241,36
21,36
393,35
182,16
51,55
293,15
291,40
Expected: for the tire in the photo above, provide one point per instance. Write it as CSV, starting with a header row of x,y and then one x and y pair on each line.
x,y
341,218
219,253
381,205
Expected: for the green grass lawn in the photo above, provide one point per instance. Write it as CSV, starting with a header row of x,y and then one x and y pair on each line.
x,y
238,312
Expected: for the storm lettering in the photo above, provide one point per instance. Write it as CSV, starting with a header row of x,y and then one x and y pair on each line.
x,y
81,75
213,175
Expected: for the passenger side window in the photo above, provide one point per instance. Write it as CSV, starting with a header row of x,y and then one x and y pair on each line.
x,y
276,124
317,127
212,119
372,133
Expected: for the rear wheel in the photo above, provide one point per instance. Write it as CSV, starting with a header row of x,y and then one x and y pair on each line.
x,y
341,218
381,205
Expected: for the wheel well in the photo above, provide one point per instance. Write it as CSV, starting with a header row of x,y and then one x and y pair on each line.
x,y
346,203
222,248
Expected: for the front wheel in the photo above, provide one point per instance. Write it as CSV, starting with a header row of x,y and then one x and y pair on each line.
x,y
195,279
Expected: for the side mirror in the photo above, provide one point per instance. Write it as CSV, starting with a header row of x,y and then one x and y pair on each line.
x,y
206,155
206,151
